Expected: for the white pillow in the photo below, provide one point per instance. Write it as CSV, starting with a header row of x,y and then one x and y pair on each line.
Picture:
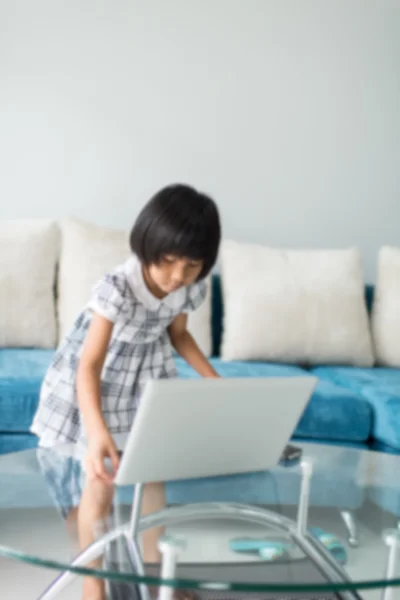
x,y
294,306
385,313
199,323
87,253
28,259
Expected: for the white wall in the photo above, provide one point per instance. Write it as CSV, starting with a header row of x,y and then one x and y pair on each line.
x,y
287,111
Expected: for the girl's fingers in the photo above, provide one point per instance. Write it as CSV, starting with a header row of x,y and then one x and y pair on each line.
x,y
100,470
115,461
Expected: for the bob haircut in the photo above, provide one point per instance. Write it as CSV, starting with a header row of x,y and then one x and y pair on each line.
x,y
178,221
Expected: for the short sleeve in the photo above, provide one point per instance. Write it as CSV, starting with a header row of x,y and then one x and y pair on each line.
x,y
196,294
108,298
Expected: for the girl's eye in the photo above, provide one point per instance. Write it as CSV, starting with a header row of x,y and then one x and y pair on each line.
x,y
190,265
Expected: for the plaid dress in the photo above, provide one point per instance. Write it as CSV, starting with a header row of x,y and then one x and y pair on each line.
x,y
139,350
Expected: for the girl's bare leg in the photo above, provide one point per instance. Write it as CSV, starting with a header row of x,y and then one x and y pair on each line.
x,y
72,523
153,501
94,511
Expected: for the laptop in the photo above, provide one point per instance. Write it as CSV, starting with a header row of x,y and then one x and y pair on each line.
x,y
207,427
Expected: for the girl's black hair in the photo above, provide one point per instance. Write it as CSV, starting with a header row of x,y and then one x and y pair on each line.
x,y
180,221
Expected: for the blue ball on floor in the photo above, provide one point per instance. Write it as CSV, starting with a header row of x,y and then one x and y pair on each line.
x,y
276,550
268,550
332,543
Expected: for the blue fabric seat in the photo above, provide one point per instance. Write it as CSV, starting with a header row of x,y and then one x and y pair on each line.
x,y
380,387
333,413
21,374
337,410
22,370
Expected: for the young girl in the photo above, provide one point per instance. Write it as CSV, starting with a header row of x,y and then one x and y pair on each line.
x,y
126,335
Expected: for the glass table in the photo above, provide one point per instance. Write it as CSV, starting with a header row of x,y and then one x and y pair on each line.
x,y
313,528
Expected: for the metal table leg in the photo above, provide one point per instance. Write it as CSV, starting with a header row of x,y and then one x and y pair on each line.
x,y
392,540
90,554
170,549
132,539
136,511
251,514
304,500
350,522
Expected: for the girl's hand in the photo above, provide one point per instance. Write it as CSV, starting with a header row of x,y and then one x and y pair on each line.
x,y
186,346
101,447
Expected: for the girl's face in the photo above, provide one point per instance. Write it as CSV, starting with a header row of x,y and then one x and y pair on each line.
x,y
172,273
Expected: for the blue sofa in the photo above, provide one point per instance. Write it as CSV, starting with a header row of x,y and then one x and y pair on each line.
x,y
350,406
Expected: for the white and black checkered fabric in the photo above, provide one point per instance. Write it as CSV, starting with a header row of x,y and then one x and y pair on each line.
x,y
65,479
139,350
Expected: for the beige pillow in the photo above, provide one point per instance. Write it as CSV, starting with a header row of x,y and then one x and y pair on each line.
x,y
87,253
385,312
28,258
199,323
294,306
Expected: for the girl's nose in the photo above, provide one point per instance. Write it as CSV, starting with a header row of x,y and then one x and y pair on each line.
x,y
178,275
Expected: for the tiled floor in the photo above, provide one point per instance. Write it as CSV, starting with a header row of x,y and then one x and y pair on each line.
x,y
20,581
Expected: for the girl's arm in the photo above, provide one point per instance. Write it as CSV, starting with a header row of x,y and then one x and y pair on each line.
x,y
185,345
101,444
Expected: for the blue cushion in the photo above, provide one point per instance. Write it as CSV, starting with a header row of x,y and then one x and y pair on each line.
x,y
21,374
369,297
376,446
217,314
336,413
381,388
333,413
241,369
15,442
